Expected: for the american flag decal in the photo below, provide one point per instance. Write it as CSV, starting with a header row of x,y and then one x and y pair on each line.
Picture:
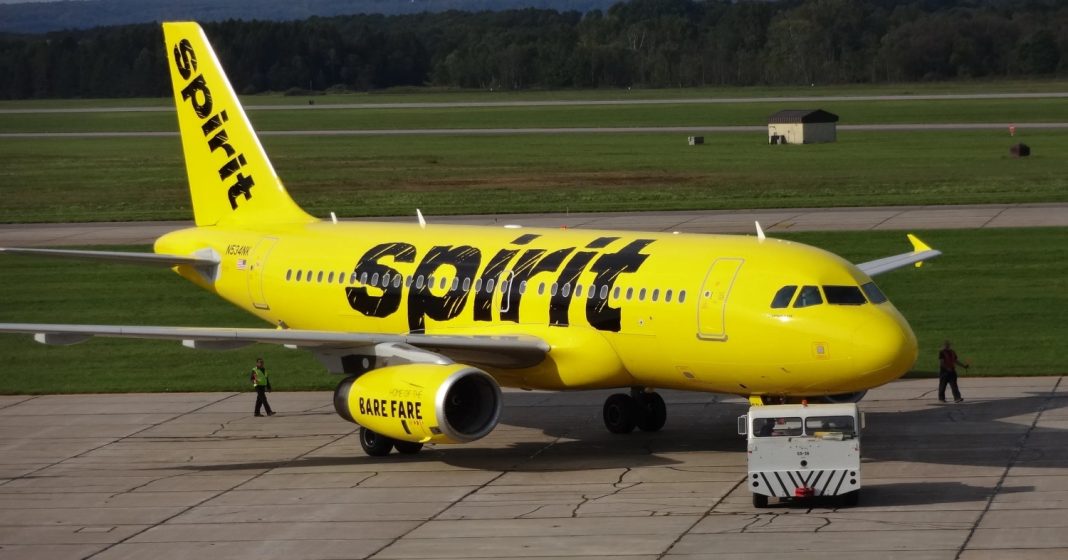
x,y
242,264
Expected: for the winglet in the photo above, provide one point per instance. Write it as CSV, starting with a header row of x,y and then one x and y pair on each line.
x,y
918,246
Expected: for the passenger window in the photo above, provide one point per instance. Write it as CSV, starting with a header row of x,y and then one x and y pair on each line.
x,y
641,295
478,285
408,281
844,295
667,296
419,282
396,280
578,290
552,289
810,295
630,293
489,286
875,295
783,296
299,274
455,284
289,274
308,278
319,277
615,293
363,278
566,290
504,286
656,294
374,279
467,284
541,289
682,296
385,280
430,281
523,287
604,291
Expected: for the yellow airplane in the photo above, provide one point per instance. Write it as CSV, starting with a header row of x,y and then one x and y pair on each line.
x,y
426,322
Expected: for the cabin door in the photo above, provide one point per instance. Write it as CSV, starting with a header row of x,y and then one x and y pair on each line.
x,y
712,301
256,263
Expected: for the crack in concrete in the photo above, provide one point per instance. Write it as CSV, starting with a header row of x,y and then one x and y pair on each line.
x,y
702,517
1013,458
764,520
214,495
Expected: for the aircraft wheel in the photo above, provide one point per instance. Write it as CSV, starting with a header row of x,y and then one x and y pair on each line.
x,y
374,443
620,413
652,412
760,501
407,447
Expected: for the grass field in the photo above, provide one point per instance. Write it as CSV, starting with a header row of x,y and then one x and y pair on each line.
x,y
718,114
144,178
998,294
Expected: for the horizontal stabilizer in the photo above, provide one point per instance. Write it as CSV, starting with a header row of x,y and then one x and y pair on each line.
x,y
151,259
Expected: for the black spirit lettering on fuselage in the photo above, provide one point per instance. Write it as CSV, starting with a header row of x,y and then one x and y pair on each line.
x,y
197,93
507,270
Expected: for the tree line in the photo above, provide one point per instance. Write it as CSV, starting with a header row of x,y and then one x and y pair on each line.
x,y
639,43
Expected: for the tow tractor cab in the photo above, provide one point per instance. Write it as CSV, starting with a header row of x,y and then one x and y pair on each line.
x,y
803,451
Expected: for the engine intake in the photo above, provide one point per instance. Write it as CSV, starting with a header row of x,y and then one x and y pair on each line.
x,y
427,403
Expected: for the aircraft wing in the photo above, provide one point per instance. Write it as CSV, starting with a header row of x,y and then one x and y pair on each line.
x,y
920,252
496,351
154,259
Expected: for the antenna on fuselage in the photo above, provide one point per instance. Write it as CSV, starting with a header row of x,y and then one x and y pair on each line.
x,y
422,220
760,232
333,218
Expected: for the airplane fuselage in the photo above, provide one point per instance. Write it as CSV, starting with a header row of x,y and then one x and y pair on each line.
x,y
618,308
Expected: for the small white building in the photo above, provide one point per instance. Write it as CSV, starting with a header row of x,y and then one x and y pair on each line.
x,y
802,126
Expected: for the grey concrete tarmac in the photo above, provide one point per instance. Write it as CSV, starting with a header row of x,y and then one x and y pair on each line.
x,y
704,221
176,476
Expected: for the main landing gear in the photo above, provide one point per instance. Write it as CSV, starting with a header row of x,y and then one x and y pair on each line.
x,y
639,409
378,445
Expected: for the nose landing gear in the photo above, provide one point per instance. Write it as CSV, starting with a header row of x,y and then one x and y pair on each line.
x,y
644,410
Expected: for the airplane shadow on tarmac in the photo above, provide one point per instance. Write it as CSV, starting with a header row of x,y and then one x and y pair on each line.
x,y
973,433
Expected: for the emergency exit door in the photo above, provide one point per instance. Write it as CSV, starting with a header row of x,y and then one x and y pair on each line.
x,y
256,263
712,306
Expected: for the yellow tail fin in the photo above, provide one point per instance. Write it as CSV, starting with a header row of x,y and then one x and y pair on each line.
x,y
230,178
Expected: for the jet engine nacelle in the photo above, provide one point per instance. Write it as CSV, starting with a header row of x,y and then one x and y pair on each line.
x,y
423,403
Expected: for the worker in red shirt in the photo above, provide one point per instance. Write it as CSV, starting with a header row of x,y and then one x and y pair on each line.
x,y
947,372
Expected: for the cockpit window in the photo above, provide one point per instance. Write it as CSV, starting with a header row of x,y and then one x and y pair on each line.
x,y
810,295
875,295
783,297
844,295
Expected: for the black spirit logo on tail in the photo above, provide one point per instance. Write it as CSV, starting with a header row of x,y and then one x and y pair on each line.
x,y
198,94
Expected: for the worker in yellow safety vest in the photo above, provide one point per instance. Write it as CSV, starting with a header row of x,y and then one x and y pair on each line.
x,y
262,384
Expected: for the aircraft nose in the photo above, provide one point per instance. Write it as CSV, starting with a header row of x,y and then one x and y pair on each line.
x,y
884,348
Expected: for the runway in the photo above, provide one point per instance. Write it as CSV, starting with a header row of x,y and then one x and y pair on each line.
x,y
177,476
876,218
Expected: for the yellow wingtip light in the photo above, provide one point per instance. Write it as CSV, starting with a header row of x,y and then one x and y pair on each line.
x,y
917,246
